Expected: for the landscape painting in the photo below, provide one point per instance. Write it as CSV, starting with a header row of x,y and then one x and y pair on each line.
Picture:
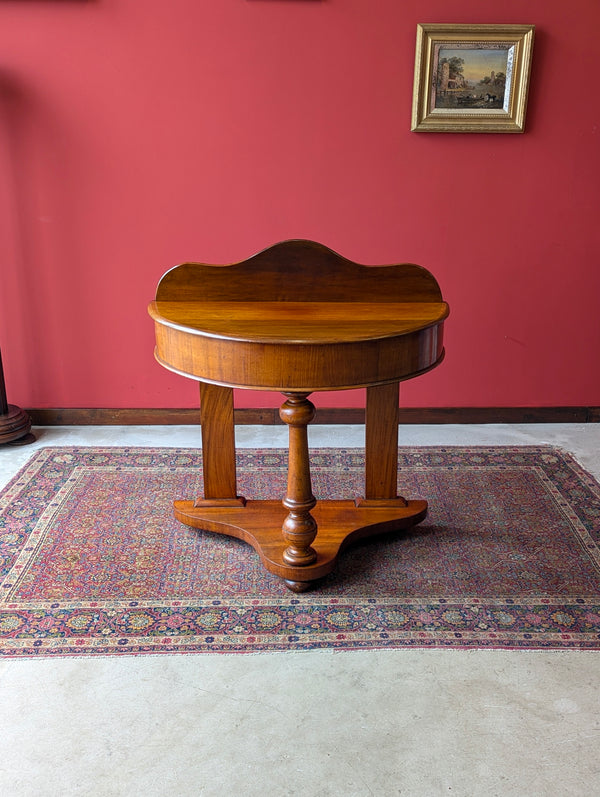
x,y
471,78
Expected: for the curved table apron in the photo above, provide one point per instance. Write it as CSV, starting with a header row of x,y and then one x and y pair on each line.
x,y
297,348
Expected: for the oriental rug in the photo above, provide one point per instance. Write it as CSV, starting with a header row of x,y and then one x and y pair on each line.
x,y
92,561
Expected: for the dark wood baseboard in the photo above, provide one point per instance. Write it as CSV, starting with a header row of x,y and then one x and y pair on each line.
x,y
325,415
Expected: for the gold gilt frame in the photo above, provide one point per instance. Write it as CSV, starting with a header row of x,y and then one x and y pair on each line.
x,y
471,78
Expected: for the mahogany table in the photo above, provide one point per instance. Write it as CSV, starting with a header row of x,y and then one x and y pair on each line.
x,y
298,318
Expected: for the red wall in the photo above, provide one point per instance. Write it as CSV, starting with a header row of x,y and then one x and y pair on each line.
x,y
137,135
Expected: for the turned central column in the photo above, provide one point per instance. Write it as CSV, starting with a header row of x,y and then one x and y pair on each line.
x,y
299,528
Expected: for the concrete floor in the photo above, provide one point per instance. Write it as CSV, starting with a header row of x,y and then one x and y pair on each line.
x,y
405,722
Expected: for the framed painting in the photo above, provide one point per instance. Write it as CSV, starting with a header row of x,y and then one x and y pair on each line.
x,y
471,78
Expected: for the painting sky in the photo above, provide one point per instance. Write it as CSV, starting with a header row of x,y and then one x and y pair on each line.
x,y
478,63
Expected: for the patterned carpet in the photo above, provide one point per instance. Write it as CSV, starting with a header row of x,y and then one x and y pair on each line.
x,y
93,563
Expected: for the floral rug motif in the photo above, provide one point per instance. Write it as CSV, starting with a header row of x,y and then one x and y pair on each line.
x,y
92,561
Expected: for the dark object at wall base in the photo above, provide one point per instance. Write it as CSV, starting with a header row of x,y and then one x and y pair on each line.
x,y
15,427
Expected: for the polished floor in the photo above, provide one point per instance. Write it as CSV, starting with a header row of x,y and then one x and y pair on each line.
x,y
312,724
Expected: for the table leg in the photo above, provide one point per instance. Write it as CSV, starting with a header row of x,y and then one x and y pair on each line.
x,y
381,446
218,447
299,528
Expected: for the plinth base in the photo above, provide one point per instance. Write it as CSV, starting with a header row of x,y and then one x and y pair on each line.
x,y
15,427
339,524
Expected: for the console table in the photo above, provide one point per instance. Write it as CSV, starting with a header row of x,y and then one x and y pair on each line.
x,y
299,318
